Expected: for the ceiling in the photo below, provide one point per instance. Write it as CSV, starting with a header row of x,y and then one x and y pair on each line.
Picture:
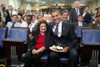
x,y
54,2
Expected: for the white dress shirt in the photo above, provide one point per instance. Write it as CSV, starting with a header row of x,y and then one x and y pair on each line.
x,y
31,25
84,14
77,11
9,24
10,12
80,24
59,28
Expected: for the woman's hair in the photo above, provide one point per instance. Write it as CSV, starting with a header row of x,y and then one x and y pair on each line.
x,y
40,22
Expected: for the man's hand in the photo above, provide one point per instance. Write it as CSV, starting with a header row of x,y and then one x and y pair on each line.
x,y
66,49
41,49
34,51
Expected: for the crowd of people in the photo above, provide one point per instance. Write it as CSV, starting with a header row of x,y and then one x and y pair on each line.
x,y
59,31
6,16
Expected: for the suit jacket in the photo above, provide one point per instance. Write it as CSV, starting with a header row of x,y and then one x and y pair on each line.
x,y
87,18
8,17
35,33
83,24
68,37
0,17
68,22
73,15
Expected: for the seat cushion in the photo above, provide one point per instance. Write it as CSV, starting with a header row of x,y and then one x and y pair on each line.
x,y
45,58
64,60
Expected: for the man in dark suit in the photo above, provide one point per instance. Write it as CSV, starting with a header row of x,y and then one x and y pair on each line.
x,y
9,13
63,36
74,12
80,21
87,16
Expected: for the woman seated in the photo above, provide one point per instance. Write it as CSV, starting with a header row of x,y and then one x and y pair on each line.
x,y
39,45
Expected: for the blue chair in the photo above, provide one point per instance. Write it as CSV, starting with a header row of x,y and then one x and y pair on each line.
x,y
91,36
18,34
3,31
17,37
80,28
76,31
90,41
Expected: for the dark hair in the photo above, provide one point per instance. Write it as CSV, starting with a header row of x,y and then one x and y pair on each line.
x,y
2,5
40,22
80,16
56,11
29,16
33,16
65,11
85,7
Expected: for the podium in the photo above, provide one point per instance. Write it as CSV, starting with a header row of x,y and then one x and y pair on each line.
x,y
19,47
87,52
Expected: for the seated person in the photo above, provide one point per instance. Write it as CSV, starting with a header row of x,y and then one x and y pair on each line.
x,y
14,22
39,45
28,23
80,21
64,36
96,22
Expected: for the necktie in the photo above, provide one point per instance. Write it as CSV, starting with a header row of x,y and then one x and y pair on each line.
x,y
11,13
13,24
56,30
77,11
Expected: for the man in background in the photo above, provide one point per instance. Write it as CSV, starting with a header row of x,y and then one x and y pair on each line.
x,y
3,13
74,12
9,13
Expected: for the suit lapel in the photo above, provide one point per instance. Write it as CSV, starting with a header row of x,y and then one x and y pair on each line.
x,y
76,23
37,35
63,28
75,12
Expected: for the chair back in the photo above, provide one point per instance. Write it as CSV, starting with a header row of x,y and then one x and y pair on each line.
x,y
3,31
91,36
19,34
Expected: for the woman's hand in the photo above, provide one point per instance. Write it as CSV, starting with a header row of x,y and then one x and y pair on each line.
x,y
34,51
30,36
41,49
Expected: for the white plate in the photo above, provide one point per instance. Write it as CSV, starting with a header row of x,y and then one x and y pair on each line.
x,y
57,50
